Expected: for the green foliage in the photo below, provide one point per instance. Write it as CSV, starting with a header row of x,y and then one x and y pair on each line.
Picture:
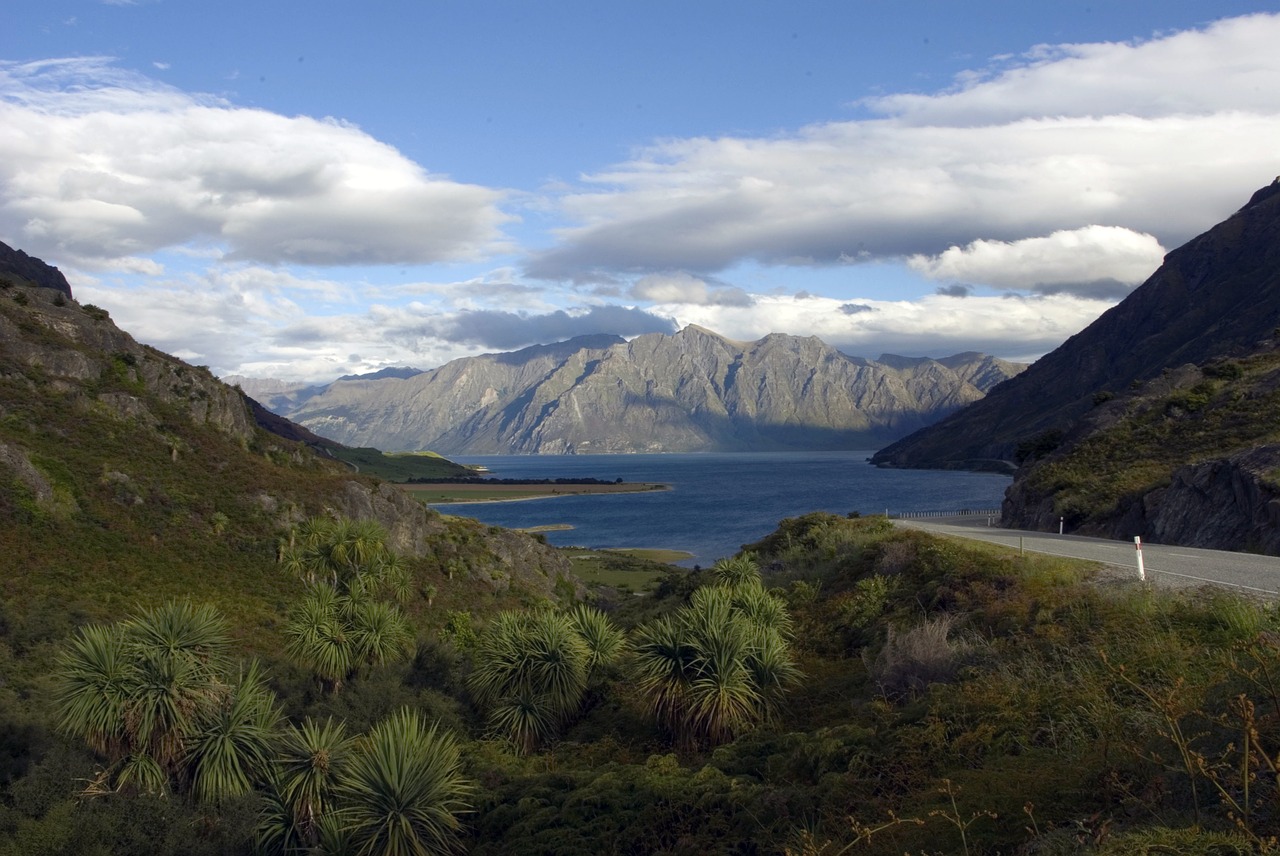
x,y
339,626
459,630
400,467
154,696
737,572
1224,370
717,667
531,671
310,758
1235,407
401,791
1190,400
1037,447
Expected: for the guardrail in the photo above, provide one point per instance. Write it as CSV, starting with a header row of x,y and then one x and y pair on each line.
x,y
965,512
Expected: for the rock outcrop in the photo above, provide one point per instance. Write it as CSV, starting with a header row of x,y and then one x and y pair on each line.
x,y
694,391
18,267
71,346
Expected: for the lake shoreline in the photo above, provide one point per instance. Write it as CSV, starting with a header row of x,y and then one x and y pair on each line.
x,y
443,494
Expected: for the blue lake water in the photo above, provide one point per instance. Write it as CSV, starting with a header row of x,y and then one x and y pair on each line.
x,y
718,502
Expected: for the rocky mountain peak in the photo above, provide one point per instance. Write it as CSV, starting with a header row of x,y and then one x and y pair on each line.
x,y
691,391
15,264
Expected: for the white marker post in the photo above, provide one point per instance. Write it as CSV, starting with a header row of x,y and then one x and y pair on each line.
x,y
1137,545
1061,522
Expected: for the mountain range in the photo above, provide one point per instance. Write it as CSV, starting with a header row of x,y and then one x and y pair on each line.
x,y
693,391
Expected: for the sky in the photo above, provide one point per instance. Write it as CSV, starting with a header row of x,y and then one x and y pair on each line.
x,y
304,190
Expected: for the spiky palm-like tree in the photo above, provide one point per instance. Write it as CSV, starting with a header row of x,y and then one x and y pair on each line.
x,y
605,643
340,625
96,675
737,571
183,630
530,672
402,791
231,748
379,633
763,609
712,671
318,638
301,793
155,696
341,552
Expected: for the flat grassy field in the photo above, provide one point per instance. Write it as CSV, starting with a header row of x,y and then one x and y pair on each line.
x,y
636,570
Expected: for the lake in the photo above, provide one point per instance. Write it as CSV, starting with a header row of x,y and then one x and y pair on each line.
x,y
718,502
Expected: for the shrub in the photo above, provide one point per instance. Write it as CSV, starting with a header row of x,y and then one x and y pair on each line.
x,y
1224,370
1037,447
924,654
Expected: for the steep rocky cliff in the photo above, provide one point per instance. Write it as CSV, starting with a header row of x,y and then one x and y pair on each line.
x,y
1217,295
689,392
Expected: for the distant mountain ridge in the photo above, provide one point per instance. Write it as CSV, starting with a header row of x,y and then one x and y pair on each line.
x,y
693,391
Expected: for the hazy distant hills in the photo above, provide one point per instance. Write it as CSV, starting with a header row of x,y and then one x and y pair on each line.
x,y
693,391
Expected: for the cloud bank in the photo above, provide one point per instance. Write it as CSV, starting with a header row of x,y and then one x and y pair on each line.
x,y
100,165
1162,138
1056,179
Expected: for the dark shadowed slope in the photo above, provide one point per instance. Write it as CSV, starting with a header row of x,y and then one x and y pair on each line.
x,y
1217,295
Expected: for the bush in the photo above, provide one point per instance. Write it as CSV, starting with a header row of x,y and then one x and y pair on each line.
x,y
924,654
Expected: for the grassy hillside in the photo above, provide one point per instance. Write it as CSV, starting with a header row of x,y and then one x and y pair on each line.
x,y
1196,426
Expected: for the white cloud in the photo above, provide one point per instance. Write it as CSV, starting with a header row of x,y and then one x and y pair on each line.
x,y
97,164
1164,137
1101,261
934,325
1174,74
257,321
685,288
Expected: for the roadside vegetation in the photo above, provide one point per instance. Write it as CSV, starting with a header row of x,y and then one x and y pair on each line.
x,y
839,687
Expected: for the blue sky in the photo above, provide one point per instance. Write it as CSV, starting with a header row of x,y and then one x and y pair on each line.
x,y
303,190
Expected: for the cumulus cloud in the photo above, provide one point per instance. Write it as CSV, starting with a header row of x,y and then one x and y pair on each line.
x,y
686,288
1097,261
1173,74
1183,134
97,164
955,290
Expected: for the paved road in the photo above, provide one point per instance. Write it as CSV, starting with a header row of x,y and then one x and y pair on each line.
x,y
1169,566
